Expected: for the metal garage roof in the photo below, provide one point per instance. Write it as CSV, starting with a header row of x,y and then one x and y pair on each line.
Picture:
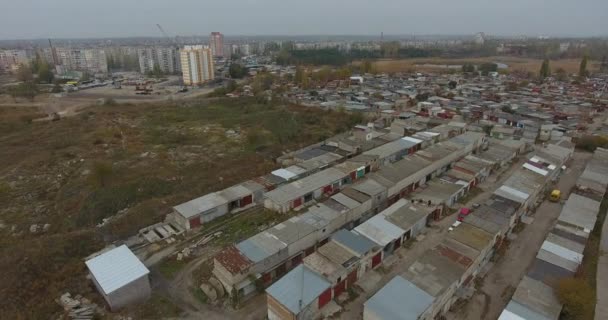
x,y
116,268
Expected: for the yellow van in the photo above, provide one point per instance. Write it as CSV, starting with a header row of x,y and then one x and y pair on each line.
x,y
555,195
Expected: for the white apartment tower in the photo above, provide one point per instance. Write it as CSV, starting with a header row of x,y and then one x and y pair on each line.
x,y
216,43
166,58
197,65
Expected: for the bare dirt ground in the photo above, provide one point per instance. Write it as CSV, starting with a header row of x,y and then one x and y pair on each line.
x,y
375,280
514,63
501,281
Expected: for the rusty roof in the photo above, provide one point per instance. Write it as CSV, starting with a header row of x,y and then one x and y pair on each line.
x,y
233,260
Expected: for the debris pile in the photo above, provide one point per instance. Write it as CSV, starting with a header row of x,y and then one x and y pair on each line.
x,y
78,308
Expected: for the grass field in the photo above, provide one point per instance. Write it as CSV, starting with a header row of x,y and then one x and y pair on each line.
x,y
128,162
515,64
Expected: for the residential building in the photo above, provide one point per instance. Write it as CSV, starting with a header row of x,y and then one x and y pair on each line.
x,y
197,65
120,277
216,43
10,60
166,58
83,60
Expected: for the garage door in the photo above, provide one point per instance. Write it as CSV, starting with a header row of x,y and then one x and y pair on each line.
x,y
324,298
297,202
195,222
352,278
246,200
376,259
339,288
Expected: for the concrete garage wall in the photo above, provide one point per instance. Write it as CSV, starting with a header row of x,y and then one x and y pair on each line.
x,y
136,291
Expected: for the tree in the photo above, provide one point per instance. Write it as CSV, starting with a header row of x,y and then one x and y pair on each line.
x,y
44,73
452,84
468,68
24,73
299,76
545,69
577,297
237,71
560,74
582,71
366,66
156,71
486,68
27,90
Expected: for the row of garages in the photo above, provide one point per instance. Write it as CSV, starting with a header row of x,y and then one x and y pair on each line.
x,y
428,287
561,254
271,253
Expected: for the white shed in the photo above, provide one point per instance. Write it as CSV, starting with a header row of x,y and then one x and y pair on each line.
x,y
120,277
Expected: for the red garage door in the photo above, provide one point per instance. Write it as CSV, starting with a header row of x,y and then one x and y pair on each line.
x,y
296,203
324,298
353,175
195,222
376,259
339,288
327,189
352,278
247,200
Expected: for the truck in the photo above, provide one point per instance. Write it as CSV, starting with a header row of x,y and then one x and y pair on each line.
x,y
555,195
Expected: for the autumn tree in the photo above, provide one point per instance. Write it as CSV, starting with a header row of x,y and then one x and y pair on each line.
x,y
545,69
24,73
577,297
582,71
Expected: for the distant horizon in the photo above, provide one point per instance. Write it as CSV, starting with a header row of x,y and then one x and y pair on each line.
x,y
336,35
77,19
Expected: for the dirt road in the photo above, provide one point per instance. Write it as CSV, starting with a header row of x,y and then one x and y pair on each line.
x,y
503,278
374,280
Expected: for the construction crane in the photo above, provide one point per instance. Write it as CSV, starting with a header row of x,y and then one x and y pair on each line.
x,y
53,53
171,40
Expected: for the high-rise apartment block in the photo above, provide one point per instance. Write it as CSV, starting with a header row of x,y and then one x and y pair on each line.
x,y
84,60
10,60
197,65
166,58
216,43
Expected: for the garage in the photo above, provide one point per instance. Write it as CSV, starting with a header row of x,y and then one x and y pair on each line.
x,y
376,259
324,298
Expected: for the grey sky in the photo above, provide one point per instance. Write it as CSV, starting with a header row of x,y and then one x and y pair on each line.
x,y
124,18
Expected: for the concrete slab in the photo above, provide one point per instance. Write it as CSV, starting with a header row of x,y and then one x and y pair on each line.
x,y
369,281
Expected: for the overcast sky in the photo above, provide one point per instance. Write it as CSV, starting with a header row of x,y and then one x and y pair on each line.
x,y
24,19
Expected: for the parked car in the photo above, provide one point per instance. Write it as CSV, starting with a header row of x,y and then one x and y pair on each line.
x,y
463,213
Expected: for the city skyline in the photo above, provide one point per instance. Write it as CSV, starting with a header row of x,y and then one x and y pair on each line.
x,y
272,17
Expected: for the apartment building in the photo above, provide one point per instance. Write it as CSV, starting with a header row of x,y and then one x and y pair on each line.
x,y
11,59
197,65
216,43
167,58
85,60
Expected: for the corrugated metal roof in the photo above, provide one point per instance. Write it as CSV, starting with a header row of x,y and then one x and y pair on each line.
x,y
283,173
562,252
580,211
379,230
199,205
511,194
516,311
357,243
298,289
536,169
116,268
398,300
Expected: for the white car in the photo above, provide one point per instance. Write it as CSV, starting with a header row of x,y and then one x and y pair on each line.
x,y
455,225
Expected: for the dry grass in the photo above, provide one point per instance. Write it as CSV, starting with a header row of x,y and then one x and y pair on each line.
x,y
159,155
524,64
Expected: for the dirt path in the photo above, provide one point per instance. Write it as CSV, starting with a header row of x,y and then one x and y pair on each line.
x,y
503,278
